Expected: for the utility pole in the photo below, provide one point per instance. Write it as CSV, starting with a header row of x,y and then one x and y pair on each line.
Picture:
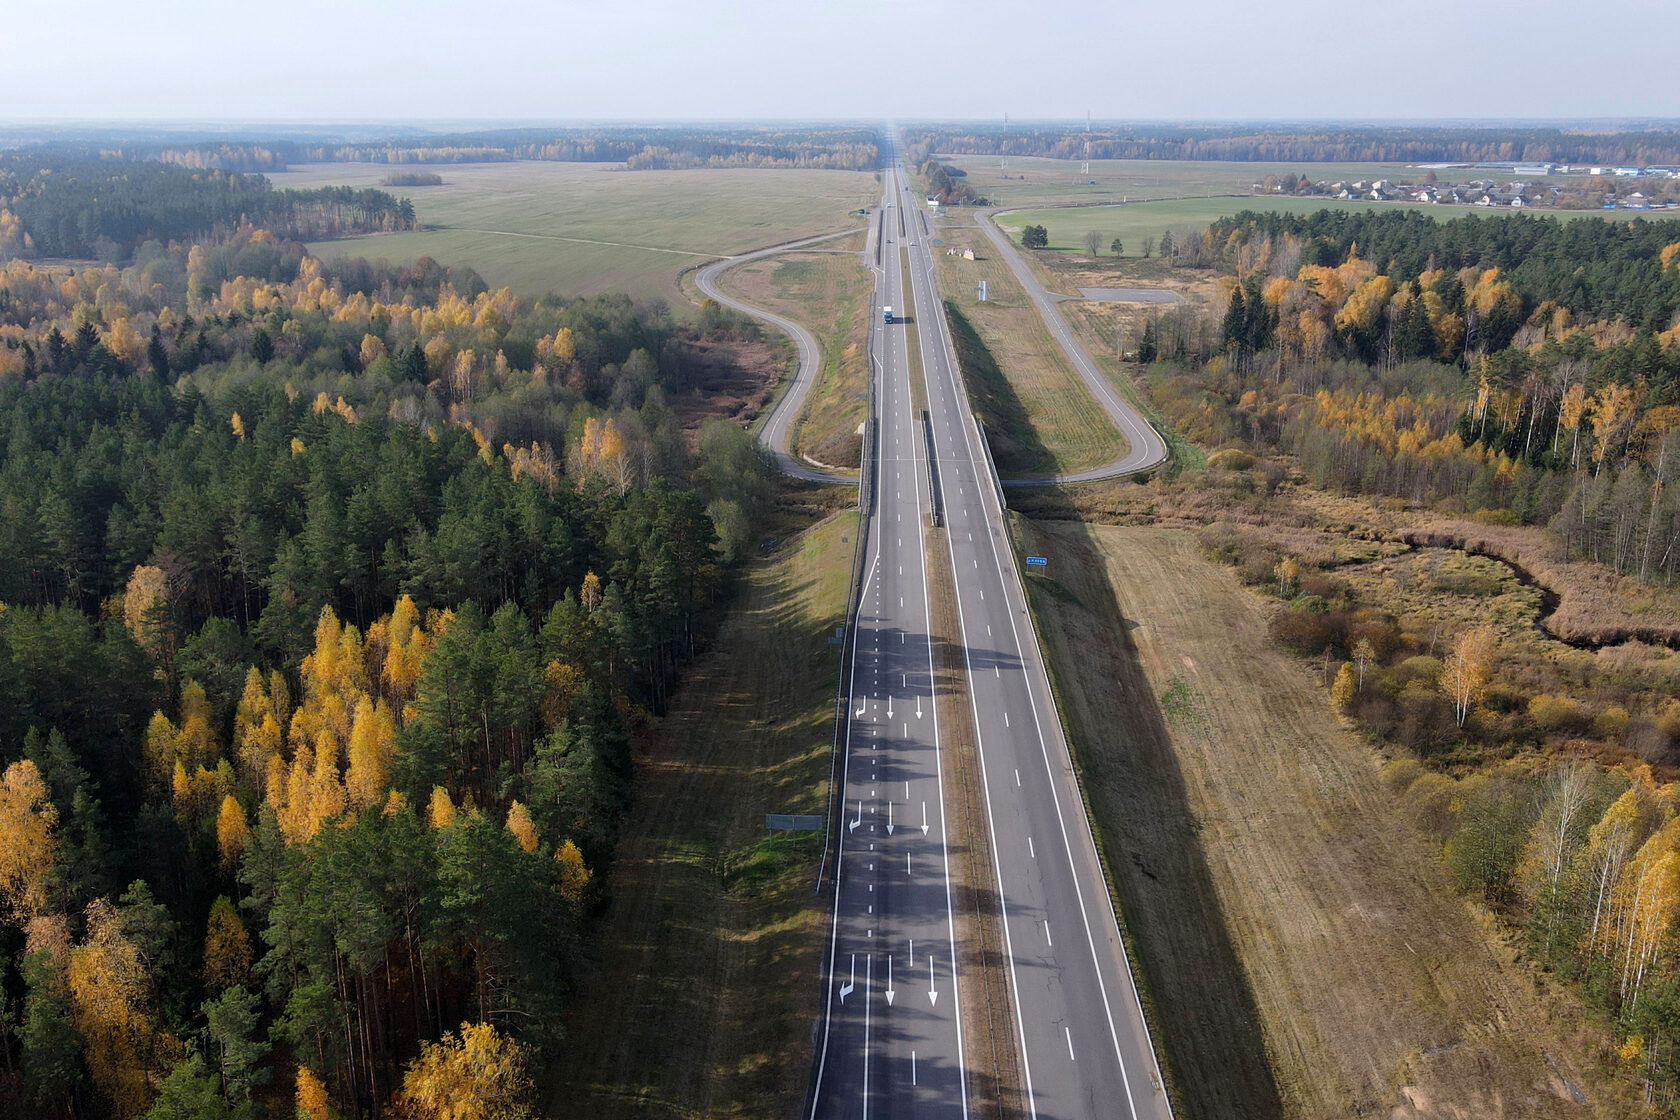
x,y
1085,168
1003,164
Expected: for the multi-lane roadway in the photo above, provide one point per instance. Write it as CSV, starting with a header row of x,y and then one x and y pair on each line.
x,y
890,1042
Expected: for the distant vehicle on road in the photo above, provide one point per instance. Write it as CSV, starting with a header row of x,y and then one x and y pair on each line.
x,y
886,314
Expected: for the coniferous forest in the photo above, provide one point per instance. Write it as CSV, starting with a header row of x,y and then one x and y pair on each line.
x,y
328,597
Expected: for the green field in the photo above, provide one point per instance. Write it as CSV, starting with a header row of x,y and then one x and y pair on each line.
x,y
1049,182
582,228
1132,223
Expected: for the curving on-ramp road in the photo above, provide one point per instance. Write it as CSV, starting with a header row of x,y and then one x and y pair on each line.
x,y
774,434
1145,447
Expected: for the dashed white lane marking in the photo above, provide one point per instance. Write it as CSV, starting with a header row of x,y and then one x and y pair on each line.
x,y
1048,939
1069,1034
1017,779
1030,850
1006,719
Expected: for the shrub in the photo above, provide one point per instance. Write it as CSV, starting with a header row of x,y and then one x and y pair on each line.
x,y
1557,714
1419,667
1230,459
1611,722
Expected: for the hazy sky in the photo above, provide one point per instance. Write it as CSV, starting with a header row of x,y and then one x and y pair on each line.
x,y
670,59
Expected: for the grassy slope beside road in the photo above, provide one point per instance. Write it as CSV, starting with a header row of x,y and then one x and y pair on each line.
x,y
707,956
630,231
1285,914
1058,428
828,292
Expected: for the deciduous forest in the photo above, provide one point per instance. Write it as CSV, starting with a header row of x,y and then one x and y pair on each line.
x,y
328,597
1519,367
1516,376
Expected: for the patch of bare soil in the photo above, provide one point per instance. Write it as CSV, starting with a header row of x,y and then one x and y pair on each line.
x,y
729,380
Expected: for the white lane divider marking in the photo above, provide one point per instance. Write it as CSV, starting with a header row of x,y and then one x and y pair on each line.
x,y
1047,937
1017,779
1069,1034
1006,719
1030,850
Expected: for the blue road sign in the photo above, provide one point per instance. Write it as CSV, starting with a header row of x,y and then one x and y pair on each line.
x,y
1037,561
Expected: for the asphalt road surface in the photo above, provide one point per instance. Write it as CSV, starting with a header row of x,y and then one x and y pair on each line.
x,y
890,1042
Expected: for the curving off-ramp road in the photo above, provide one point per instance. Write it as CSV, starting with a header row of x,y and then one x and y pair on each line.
x,y
778,425
1145,447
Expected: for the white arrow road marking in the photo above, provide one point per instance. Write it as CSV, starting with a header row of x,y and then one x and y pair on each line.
x,y
890,992
889,707
854,824
918,707
848,986
924,818
933,993
889,821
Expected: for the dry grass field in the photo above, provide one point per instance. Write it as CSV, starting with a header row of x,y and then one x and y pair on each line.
x,y
585,228
1266,871
826,289
706,960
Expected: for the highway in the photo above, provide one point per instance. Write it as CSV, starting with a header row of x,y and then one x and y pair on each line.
x,y
890,1040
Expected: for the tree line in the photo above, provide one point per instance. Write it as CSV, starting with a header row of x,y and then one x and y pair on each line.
x,y
330,597
105,209
1525,367
656,147
1279,144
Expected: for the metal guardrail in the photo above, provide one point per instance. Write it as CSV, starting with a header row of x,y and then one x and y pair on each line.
x,y
991,467
936,493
